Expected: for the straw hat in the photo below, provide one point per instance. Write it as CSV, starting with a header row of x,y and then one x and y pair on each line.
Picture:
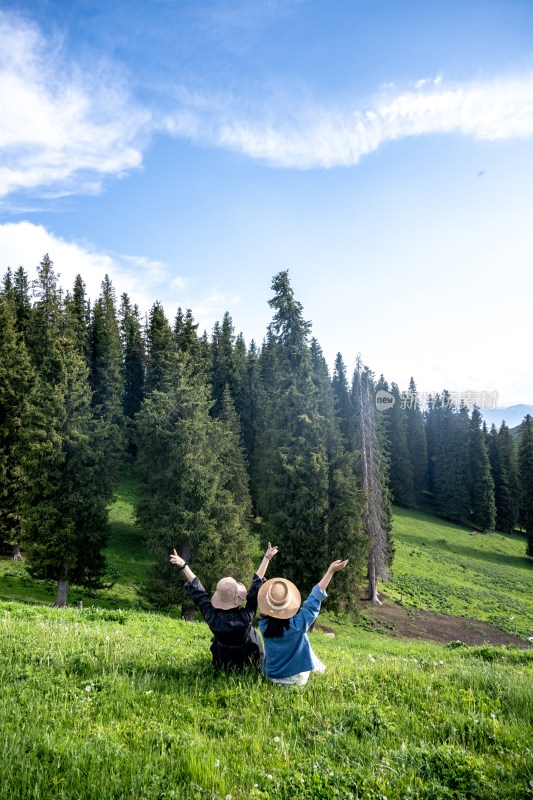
x,y
278,598
229,594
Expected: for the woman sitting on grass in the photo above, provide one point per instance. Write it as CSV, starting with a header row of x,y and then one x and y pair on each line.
x,y
235,643
289,658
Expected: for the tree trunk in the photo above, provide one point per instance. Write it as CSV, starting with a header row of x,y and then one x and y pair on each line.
x,y
61,599
16,553
373,585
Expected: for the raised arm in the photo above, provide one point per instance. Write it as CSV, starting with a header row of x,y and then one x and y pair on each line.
x,y
180,562
334,567
269,554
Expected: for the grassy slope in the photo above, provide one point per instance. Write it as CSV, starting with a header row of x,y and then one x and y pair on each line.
x,y
479,577
124,705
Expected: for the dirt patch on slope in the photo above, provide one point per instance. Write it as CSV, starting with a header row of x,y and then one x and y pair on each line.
x,y
413,623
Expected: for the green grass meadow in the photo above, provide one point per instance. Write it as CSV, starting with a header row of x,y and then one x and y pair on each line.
x,y
486,577
118,703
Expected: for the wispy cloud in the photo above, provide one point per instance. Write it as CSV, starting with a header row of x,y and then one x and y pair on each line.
x,y
319,137
61,129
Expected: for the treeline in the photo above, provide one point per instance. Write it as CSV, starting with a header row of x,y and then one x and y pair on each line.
x,y
446,455
221,434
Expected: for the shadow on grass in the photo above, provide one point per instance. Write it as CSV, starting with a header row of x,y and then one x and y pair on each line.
x,y
492,557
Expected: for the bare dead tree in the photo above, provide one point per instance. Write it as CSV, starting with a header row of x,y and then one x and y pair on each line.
x,y
370,475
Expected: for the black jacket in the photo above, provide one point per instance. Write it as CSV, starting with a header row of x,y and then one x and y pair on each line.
x,y
235,643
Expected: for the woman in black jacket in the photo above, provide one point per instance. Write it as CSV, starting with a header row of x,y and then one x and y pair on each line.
x,y
235,643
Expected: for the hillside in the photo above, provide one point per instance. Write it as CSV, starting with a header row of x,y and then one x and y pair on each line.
x,y
114,703
120,705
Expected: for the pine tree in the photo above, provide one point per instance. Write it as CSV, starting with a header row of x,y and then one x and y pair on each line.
x,y
376,517
293,495
185,335
223,367
161,351
343,405
449,452
416,443
346,537
187,502
47,313
525,467
106,376
401,472
66,486
16,379
482,505
502,456
77,318
133,357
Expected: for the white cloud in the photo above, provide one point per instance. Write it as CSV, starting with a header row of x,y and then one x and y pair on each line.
x,y
61,128
318,137
145,281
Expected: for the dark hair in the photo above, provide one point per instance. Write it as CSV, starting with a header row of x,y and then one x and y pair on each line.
x,y
274,627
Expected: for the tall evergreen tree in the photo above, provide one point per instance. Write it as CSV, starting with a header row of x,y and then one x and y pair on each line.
x,y
482,505
293,498
133,357
401,472
449,451
187,503
376,513
525,467
66,485
161,351
223,367
416,443
77,318
106,376
343,405
504,469
47,313
16,379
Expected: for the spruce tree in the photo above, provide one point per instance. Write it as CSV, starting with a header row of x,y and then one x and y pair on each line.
x,y
133,357
449,451
77,318
416,443
401,472
161,350
16,379
47,313
502,456
187,501
482,505
525,467
223,367
66,486
376,516
343,405
106,376
293,495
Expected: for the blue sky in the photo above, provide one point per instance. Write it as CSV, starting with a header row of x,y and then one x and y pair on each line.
x,y
382,152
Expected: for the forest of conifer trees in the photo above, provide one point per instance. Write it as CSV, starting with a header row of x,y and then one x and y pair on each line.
x,y
222,434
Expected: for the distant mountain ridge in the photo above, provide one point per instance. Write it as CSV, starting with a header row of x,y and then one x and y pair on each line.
x,y
512,415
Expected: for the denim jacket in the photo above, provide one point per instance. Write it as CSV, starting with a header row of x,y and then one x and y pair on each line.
x,y
291,653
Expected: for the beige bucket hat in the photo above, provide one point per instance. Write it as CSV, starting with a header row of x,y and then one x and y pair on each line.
x,y
229,594
278,598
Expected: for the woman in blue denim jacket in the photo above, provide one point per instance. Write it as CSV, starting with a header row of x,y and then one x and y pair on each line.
x,y
288,655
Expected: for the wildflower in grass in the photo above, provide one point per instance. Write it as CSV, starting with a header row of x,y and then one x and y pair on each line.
x,y
149,691
269,777
228,797
276,739
88,688
217,763
493,716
